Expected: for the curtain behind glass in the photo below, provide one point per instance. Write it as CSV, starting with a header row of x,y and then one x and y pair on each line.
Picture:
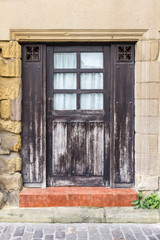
x,y
91,80
65,60
65,81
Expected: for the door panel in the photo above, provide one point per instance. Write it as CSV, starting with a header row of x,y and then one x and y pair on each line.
x,y
77,112
124,115
33,113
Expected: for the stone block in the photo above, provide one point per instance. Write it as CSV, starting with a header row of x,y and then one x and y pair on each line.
x,y
16,108
147,71
147,163
77,214
2,151
13,198
10,49
159,144
10,141
147,91
147,125
5,109
146,182
146,143
147,50
11,182
9,88
146,107
10,164
1,200
10,68
130,215
11,126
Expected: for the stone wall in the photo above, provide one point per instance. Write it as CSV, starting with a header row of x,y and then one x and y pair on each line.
x,y
147,115
10,122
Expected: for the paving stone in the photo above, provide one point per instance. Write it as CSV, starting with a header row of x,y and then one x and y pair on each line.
x,y
82,234
147,231
27,236
48,230
71,236
29,229
128,234
136,230
152,238
8,229
117,234
60,235
106,236
19,231
139,236
104,229
38,234
49,237
156,230
5,236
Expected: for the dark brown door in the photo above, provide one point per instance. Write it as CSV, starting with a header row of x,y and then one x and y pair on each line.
x,y
81,98
78,115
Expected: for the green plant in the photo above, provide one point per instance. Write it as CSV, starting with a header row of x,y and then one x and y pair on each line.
x,y
151,202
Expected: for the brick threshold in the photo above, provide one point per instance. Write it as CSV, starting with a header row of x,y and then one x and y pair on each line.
x,y
77,197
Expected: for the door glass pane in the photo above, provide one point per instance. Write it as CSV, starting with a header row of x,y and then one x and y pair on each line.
x,y
91,81
91,60
65,81
65,60
93,101
64,101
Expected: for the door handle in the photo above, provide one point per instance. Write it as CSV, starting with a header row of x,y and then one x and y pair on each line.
x,y
49,105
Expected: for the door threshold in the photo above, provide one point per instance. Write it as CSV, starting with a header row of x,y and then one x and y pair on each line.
x,y
77,197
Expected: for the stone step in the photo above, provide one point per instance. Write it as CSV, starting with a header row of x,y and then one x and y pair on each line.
x,y
77,197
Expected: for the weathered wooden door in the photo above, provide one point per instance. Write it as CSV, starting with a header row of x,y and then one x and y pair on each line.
x,y
78,115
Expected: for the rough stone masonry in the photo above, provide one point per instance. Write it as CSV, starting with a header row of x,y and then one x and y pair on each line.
x,y
10,122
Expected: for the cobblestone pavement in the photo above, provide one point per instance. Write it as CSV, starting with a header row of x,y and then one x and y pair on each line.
x,y
84,231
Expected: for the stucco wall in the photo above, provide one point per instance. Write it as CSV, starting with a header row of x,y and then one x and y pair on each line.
x,y
82,14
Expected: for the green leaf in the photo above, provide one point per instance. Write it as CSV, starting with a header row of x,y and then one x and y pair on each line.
x,y
147,204
135,202
140,195
137,206
142,204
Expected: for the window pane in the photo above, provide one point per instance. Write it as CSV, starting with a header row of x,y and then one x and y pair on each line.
x,y
64,101
65,60
93,101
92,81
65,81
92,60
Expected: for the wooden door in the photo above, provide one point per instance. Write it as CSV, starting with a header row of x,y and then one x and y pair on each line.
x,y
78,115
81,98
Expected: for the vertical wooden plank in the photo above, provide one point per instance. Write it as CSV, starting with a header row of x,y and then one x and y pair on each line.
x,y
78,148
59,146
124,118
33,113
107,109
96,148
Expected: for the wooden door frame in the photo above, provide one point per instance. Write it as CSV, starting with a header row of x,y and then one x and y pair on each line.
x,y
67,35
